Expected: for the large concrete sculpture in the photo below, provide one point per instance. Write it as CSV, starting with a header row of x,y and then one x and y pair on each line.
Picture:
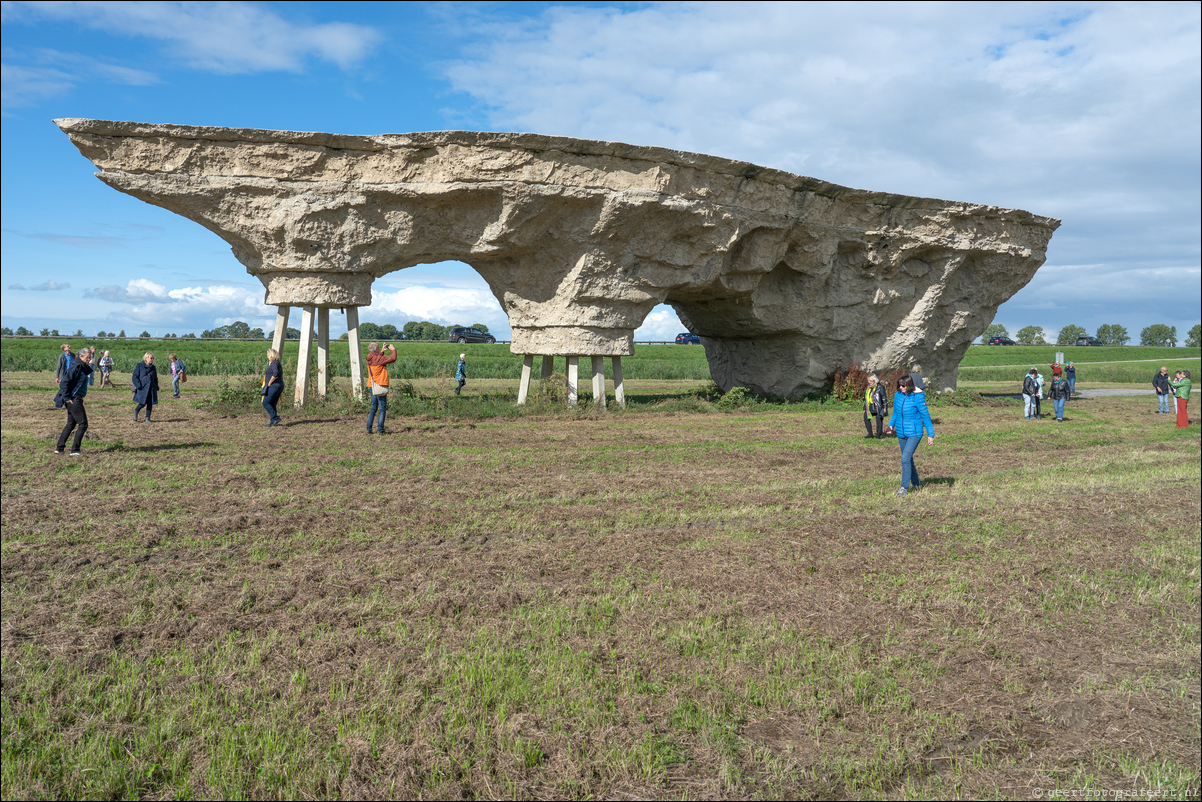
x,y
785,278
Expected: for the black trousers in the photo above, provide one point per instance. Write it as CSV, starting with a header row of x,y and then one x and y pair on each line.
x,y
77,419
880,423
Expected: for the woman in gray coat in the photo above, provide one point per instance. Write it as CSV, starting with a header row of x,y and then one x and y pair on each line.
x,y
146,386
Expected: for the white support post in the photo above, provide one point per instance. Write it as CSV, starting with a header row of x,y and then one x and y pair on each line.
x,y
527,369
548,366
573,376
619,390
323,350
281,329
352,335
302,364
599,381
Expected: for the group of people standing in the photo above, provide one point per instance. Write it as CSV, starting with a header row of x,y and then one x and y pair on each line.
x,y
1168,389
75,373
1063,387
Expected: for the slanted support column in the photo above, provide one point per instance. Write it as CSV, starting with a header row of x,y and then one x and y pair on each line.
x,y
323,350
302,364
573,376
548,366
352,336
527,369
281,329
619,391
599,381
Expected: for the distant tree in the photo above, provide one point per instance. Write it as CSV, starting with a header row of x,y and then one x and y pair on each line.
x,y
101,334
481,327
144,335
1031,335
372,332
1159,334
994,330
189,336
1194,340
78,333
121,334
238,330
6,331
1113,334
1069,334
425,330
23,332
54,333
45,332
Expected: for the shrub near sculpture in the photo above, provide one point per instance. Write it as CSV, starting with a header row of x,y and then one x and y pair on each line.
x,y
784,277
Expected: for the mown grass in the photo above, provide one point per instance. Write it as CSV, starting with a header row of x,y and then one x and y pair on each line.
x,y
657,604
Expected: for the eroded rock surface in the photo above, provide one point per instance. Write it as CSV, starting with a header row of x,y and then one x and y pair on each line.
x,y
784,277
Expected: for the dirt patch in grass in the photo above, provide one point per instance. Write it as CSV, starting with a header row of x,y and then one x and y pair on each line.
x,y
647,605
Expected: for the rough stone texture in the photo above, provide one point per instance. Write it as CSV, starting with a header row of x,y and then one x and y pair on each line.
x,y
784,277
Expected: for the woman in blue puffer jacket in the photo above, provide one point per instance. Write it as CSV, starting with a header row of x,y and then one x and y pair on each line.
x,y
910,417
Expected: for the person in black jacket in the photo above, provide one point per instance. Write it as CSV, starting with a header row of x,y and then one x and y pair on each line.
x,y
1164,393
146,386
876,405
72,388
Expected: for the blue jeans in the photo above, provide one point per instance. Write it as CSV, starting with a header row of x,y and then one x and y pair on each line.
x,y
1059,404
909,473
1072,385
1163,401
175,384
378,402
1029,405
271,398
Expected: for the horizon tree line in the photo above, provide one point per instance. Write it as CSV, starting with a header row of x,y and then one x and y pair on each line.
x,y
1158,334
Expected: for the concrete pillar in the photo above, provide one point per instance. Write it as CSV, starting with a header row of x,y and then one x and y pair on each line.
x,y
281,329
548,366
599,381
323,351
352,335
573,376
302,364
527,369
619,391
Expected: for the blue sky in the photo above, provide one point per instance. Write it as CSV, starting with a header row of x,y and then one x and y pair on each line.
x,y
1086,112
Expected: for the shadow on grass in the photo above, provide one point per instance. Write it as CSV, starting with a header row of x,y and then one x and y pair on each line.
x,y
158,447
945,481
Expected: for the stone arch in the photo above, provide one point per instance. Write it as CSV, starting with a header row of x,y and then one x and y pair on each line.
x,y
784,277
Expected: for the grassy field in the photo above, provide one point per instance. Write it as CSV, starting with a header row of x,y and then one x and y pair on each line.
x,y
680,600
418,360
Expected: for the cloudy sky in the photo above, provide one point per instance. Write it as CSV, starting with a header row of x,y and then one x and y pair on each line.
x,y
1084,111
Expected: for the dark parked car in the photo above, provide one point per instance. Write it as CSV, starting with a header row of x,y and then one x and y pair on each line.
x,y
459,334
687,339
1000,341
1089,341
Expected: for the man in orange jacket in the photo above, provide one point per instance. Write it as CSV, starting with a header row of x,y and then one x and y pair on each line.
x,y
377,375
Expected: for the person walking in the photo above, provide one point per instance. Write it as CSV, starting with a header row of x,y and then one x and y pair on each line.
x,y
72,388
1182,386
1070,373
1059,393
377,376
876,402
65,358
461,373
1030,393
1164,393
910,418
273,386
106,370
1038,380
177,374
145,382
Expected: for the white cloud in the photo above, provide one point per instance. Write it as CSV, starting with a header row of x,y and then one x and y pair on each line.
x,y
50,285
151,304
231,37
661,324
438,304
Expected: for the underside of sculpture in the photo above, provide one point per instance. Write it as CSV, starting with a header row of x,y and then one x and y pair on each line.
x,y
785,278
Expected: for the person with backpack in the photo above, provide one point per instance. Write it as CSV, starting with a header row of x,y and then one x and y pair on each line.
x,y
876,404
1031,393
177,375
377,376
1059,393
910,418
461,373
